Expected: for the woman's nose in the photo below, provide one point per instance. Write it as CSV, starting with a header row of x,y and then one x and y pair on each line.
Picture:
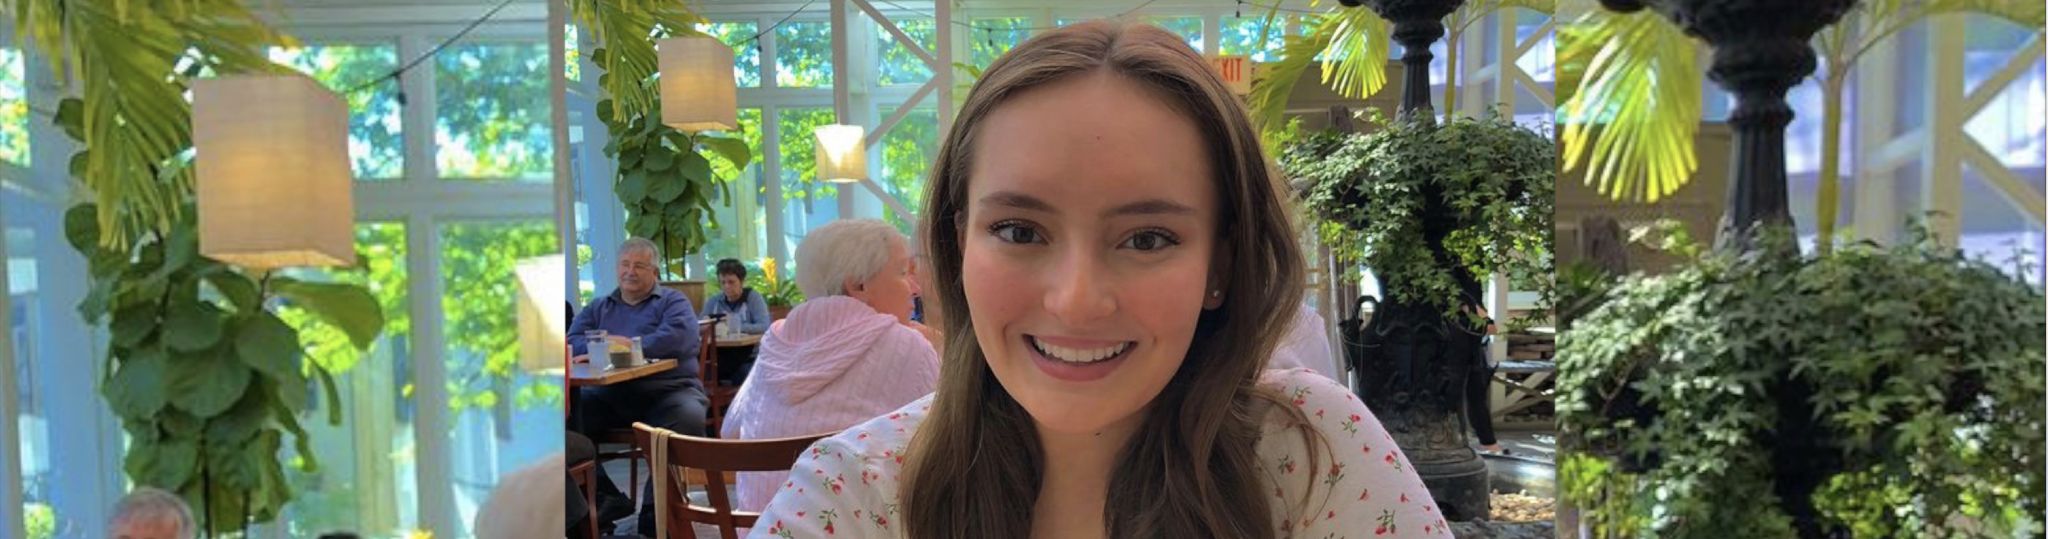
x,y
1077,293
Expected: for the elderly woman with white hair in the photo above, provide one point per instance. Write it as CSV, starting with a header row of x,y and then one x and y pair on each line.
x,y
151,513
846,355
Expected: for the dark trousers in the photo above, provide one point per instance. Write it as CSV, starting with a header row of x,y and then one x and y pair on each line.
x,y
1479,398
676,404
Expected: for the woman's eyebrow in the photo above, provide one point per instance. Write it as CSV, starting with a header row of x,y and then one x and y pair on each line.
x,y
1154,206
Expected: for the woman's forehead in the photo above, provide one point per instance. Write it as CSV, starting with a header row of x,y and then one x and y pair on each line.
x,y
1092,140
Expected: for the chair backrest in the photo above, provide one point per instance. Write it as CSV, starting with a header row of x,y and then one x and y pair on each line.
x,y
715,457
707,354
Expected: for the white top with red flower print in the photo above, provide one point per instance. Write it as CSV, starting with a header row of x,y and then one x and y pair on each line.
x,y
1361,487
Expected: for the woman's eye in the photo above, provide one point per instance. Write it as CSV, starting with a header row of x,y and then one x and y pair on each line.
x,y
1150,240
1015,232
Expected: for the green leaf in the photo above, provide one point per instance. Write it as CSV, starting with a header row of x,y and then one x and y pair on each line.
x,y
165,464
192,325
207,384
241,422
1632,122
238,288
333,397
733,150
137,389
346,306
82,228
133,324
70,116
1355,63
267,344
695,168
665,187
633,186
658,158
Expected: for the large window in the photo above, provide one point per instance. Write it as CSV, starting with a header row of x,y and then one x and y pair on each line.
x,y
1255,36
375,146
899,65
14,116
746,54
907,154
494,112
505,416
803,55
990,38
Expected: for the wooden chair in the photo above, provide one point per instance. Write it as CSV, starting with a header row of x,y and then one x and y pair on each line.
x,y
719,395
585,474
716,459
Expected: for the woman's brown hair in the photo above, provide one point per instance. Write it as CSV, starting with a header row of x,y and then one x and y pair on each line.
x,y
1191,470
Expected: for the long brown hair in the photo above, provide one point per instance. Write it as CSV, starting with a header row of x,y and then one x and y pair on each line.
x,y
1191,470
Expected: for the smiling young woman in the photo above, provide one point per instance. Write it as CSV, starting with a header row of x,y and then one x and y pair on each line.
x,y
1118,266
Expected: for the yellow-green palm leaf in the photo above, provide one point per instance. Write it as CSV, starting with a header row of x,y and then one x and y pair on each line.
x,y
1632,117
1353,44
630,63
133,118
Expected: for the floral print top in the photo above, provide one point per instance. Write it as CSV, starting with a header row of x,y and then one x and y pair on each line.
x,y
1360,487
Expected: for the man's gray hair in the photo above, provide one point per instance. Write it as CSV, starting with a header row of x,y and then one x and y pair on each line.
x,y
641,244
154,504
844,250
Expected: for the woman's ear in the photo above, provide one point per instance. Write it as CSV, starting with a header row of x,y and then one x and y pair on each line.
x,y
1212,296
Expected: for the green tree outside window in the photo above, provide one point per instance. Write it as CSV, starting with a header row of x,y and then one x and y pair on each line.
x,y
1251,36
800,155
493,113
726,241
13,108
907,153
899,65
803,55
480,298
376,148
746,53
1189,28
991,38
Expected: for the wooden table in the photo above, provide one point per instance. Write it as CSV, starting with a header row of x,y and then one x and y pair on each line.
x,y
739,341
598,374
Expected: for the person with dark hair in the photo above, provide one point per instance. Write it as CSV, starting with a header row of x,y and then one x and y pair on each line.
x,y
742,307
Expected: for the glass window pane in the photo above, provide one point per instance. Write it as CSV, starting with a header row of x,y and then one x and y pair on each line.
x,y
375,146
504,417
365,482
907,152
1189,28
803,55
899,65
1252,36
738,220
572,66
808,201
494,113
746,53
13,108
993,37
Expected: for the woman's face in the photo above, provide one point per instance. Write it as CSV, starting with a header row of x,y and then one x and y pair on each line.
x,y
1087,246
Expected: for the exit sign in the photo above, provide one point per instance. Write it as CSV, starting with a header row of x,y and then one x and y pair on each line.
x,y
1236,72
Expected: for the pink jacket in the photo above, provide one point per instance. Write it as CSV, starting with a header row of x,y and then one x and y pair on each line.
x,y
833,363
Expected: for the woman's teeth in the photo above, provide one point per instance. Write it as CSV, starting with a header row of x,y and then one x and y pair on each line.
x,y
1073,355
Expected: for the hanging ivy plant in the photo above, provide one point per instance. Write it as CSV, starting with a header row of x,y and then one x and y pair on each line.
x,y
1896,392
1419,202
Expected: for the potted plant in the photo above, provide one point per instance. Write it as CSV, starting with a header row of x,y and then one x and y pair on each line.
x,y
205,377
780,292
665,178
1429,209
1760,391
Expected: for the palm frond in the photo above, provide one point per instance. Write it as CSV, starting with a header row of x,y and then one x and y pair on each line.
x,y
1355,63
1275,83
629,29
1632,117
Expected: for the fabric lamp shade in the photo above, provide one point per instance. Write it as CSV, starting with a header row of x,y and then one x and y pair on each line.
x,y
842,156
273,172
697,88
543,326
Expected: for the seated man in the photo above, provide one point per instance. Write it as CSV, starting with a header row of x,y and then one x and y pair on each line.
x,y
846,355
667,326
151,513
743,308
